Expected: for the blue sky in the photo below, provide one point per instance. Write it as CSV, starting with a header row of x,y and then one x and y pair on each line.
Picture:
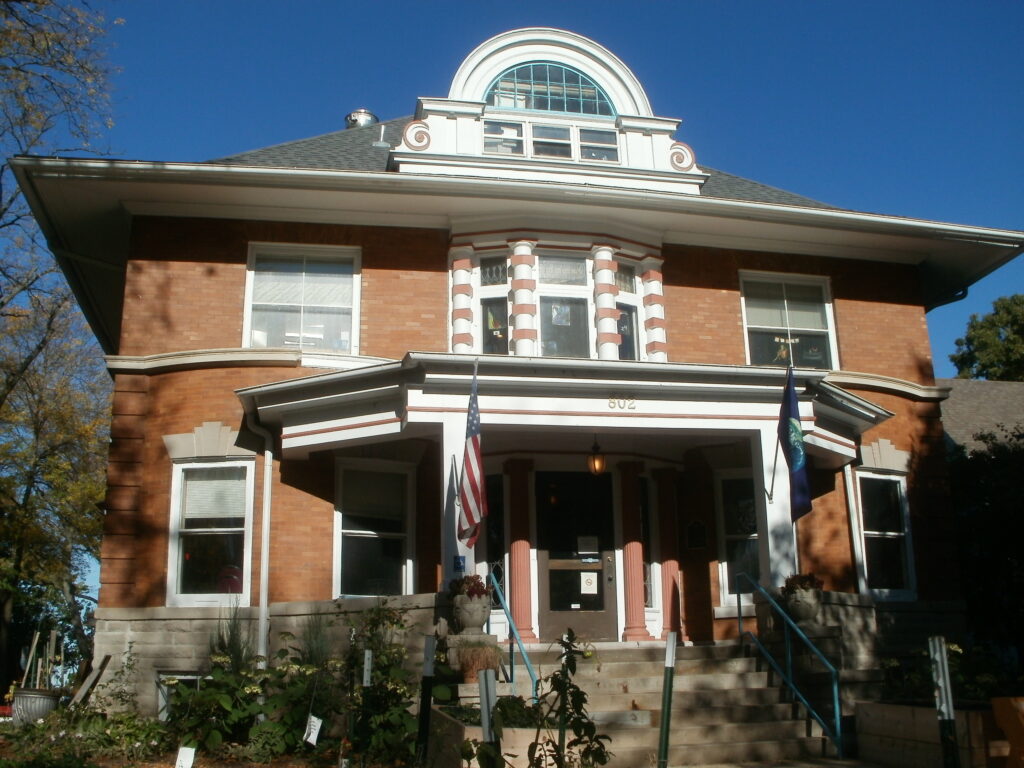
x,y
910,108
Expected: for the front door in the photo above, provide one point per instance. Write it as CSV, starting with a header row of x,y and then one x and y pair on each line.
x,y
575,555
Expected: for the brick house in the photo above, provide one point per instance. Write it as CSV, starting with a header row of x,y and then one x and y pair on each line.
x,y
293,331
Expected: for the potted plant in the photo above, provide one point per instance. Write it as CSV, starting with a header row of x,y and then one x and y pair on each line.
x,y
471,602
801,594
35,697
472,656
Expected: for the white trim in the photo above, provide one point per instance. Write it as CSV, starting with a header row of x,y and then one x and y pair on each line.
x,y
853,510
328,253
173,596
343,464
909,592
787,277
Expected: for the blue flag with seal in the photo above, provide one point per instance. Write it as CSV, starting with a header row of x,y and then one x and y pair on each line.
x,y
791,438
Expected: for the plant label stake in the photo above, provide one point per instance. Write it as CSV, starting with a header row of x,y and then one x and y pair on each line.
x,y
185,757
488,699
944,701
313,724
367,667
666,698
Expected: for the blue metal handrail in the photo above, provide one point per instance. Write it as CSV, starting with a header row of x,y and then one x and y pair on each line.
x,y
535,682
835,733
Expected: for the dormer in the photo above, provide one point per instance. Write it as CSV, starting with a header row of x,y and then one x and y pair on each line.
x,y
547,105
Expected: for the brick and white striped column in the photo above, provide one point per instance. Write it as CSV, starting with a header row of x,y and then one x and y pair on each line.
x,y
461,259
605,291
524,298
654,310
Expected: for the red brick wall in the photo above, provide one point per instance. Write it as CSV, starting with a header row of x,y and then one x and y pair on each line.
x,y
185,284
879,318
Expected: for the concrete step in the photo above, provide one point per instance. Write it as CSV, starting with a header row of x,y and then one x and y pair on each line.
x,y
719,733
746,752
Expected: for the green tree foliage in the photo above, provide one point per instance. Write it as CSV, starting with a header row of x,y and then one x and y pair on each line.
x,y
987,491
993,347
53,389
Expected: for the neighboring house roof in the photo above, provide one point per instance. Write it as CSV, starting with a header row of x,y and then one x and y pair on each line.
x,y
977,405
353,150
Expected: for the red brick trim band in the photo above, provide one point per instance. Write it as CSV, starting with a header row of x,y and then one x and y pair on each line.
x,y
465,313
657,346
524,309
523,258
652,274
653,298
466,264
462,289
606,288
605,312
462,338
606,264
524,285
613,338
655,322
524,333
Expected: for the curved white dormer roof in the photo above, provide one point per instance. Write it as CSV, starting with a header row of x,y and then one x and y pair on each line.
x,y
543,44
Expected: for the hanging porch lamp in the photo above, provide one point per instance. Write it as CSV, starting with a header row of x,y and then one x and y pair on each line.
x,y
595,460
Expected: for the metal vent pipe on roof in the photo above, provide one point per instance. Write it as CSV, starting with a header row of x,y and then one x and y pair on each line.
x,y
360,118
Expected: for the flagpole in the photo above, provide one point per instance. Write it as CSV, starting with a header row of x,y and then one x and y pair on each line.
x,y
778,442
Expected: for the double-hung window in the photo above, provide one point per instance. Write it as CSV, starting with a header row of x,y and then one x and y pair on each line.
x,y
210,533
788,322
566,318
373,520
885,526
303,297
628,304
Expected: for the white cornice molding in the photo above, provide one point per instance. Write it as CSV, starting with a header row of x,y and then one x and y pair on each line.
x,y
888,384
235,358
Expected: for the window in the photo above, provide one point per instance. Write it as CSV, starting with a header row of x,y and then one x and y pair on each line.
x,y
788,322
738,541
302,297
566,322
210,545
372,539
560,142
885,528
548,87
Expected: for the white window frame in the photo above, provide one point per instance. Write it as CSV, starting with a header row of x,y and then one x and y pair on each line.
x,y
585,291
342,465
553,120
175,598
332,253
726,598
785,277
908,592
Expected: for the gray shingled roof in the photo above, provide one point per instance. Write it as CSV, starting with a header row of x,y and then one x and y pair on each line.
x,y
976,405
353,150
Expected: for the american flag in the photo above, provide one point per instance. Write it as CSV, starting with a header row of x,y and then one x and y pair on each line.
x,y
472,494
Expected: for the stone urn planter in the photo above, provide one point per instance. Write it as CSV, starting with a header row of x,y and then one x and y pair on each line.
x,y
31,704
801,596
471,603
471,613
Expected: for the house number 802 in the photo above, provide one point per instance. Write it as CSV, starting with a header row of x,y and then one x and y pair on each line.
x,y
621,403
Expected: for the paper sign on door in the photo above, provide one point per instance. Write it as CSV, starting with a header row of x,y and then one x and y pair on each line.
x,y
588,583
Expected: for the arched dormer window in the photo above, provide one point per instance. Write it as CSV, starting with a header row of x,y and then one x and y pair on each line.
x,y
548,87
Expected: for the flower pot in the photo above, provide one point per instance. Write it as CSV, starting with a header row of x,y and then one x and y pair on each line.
x,y
471,613
31,704
804,605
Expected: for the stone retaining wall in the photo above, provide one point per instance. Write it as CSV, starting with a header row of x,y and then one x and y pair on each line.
x,y
176,641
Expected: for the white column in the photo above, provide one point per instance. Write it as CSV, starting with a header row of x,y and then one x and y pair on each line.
x,y
461,259
524,298
654,309
605,291
453,443
775,530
